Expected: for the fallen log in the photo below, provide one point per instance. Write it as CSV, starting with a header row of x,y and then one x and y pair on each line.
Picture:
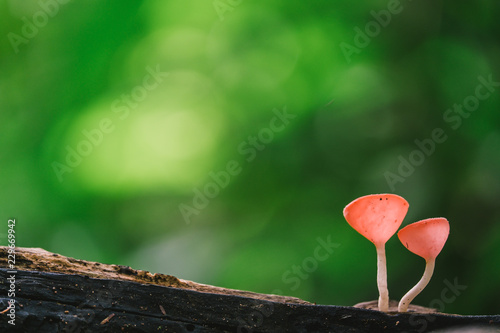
x,y
54,293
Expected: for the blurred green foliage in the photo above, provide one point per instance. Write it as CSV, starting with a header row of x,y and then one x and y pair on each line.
x,y
67,67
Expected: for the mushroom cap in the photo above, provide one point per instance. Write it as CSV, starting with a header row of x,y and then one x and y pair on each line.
x,y
376,216
425,238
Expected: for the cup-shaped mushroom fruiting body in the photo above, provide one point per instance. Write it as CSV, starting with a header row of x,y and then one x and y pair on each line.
x,y
378,217
425,238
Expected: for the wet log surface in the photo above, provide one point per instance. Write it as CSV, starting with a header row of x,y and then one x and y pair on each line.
x,y
54,293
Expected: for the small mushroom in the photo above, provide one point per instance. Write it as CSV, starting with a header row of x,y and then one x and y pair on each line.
x,y
377,217
425,238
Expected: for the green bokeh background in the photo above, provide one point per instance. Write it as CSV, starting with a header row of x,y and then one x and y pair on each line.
x,y
231,66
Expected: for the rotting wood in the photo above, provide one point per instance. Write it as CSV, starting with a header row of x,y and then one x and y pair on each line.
x,y
59,294
37,259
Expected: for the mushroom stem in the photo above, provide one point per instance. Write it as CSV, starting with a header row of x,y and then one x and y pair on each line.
x,y
383,300
406,300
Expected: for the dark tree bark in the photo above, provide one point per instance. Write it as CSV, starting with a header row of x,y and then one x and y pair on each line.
x,y
59,294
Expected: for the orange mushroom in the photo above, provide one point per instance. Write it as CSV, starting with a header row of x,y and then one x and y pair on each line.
x,y
425,238
377,217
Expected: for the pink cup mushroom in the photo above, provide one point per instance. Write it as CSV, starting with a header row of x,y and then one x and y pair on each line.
x,y
377,217
425,238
